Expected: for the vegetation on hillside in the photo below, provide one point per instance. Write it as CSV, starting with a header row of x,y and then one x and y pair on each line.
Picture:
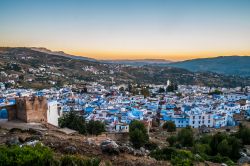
x,y
219,148
75,122
169,126
230,65
138,134
67,70
40,156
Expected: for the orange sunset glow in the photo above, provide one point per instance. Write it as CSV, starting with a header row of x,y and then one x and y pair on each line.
x,y
129,29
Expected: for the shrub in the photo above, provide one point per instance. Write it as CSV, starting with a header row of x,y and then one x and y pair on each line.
x,y
202,148
169,126
219,159
182,157
137,137
224,148
151,146
163,154
244,134
78,161
40,156
138,134
95,127
27,155
172,140
185,137
72,121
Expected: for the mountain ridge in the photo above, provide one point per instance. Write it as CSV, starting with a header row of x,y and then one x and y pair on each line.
x,y
34,69
229,65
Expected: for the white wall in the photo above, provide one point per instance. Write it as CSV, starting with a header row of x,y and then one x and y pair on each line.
x,y
52,113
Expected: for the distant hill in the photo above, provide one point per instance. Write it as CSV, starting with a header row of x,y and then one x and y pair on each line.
x,y
41,68
229,65
61,53
139,62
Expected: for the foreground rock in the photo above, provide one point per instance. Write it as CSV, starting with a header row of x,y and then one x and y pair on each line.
x,y
244,160
13,141
110,147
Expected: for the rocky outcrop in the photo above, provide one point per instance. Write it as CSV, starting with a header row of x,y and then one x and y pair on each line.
x,y
110,147
244,160
13,141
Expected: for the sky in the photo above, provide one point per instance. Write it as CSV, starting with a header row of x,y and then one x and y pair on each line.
x,y
129,29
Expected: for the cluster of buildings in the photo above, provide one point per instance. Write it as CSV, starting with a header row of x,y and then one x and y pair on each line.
x,y
191,106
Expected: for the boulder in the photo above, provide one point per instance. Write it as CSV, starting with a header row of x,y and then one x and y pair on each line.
x,y
126,149
31,143
15,130
34,137
36,132
110,147
244,160
13,141
70,149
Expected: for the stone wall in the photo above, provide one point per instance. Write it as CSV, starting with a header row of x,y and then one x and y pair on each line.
x,y
31,109
36,109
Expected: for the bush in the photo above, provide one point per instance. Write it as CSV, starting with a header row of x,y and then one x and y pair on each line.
x,y
137,137
202,148
224,148
78,161
40,156
151,146
95,127
172,140
138,134
75,122
185,137
215,92
218,144
177,157
216,139
182,157
169,126
244,134
27,155
163,154
219,159
72,121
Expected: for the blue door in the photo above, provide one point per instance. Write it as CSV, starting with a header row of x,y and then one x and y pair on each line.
x,y
3,114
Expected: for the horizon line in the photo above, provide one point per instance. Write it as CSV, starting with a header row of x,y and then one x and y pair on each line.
x,y
148,56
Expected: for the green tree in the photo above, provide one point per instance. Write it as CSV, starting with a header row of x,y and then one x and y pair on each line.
x,y
73,121
138,134
216,139
244,134
215,92
202,148
95,127
185,137
163,154
182,157
172,140
224,148
38,156
161,90
170,88
236,146
169,126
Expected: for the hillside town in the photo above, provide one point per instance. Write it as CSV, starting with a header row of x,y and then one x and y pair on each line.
x,y
194,106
